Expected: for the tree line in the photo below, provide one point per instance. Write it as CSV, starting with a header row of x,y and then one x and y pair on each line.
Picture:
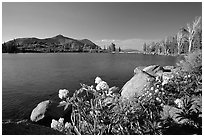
x,y
188,39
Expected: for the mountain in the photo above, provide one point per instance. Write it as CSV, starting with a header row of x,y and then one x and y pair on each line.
x,y
57,43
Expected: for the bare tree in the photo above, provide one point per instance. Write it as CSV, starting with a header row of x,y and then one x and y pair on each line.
x,y
181,37
192,31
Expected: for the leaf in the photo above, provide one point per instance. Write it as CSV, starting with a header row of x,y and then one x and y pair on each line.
x,y
62,104
66,106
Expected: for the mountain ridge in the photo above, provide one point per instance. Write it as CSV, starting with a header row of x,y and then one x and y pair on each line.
x,y
58,43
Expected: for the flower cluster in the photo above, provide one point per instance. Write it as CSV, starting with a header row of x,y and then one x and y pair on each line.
x,y
60,126
101,85
154,92
63,93
179,103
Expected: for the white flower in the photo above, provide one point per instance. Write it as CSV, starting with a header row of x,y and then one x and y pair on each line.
x,y
61,120
179,103
152,88
67,125
158,99
54,124
156,90
150,94
157,86
102,86
189,76
98,80
63,93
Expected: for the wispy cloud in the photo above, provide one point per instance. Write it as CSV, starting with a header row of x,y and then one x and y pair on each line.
x,y
124,44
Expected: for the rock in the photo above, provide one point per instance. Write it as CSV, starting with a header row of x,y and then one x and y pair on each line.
x,y
39,112
154,70
45,112
142,78
26,128
136,84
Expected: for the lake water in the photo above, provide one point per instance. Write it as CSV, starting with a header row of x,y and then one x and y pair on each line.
x,y
28,79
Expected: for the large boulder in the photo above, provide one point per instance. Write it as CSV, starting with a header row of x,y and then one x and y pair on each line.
x,y
142,78
48,110
136,84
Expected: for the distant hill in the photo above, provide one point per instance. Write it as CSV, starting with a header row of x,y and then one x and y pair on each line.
x,y
57,43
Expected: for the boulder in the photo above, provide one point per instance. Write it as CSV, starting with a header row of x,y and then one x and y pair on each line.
x,y
142,78
38,113
136,84
48,110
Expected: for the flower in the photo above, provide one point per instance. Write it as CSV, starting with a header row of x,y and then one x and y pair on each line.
x,y
102,86
156,90
161,104
63,93
67,125
152,88
61,120
98,80
179,103
54,124
158,99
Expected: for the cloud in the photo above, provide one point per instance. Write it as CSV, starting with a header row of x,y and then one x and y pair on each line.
x,y
124,44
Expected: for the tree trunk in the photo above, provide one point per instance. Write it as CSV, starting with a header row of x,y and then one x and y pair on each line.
x,y
179,48
190,46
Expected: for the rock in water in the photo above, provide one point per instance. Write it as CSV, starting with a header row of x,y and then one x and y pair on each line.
x,y
38,113
48,110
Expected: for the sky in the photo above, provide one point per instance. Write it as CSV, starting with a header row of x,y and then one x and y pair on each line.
x,y
128,25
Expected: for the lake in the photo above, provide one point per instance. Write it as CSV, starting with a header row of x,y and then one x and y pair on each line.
x,y
28,79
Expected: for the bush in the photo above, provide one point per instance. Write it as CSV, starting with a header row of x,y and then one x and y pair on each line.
x,y
192,62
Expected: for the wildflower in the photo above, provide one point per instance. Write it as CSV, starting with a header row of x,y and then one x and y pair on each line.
x,y
162,89
102,86
92,87
152,88
61,120
54,124
189,76
150,94
158,99
156,90
157,86
98,80
67,125
161,104
91,112
63,93
179,103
